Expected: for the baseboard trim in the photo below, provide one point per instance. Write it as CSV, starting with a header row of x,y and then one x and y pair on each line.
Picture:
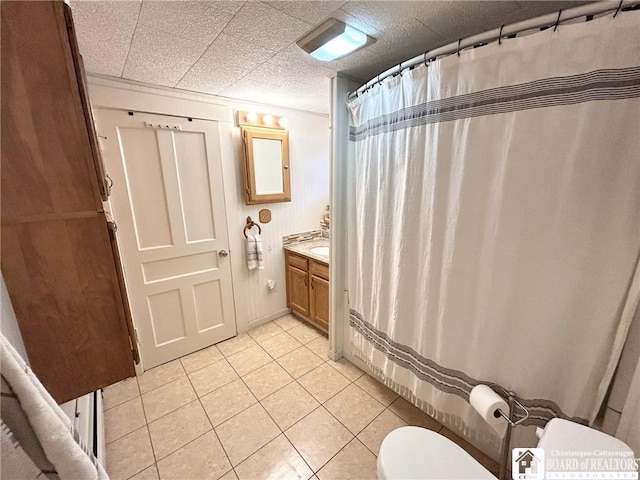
x,y
272,316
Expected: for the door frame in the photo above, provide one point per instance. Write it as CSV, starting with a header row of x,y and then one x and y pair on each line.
x,y
140,368
120,94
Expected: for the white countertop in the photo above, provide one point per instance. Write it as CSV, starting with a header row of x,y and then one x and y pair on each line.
x,y
302,248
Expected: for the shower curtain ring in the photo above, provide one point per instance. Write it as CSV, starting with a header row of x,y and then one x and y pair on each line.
x,y
459,42
425,59
500,35
557,21
618,9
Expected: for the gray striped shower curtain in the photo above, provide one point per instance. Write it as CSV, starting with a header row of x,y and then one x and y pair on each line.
x,y
495,223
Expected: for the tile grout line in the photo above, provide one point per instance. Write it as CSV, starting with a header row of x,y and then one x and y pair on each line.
x,y
144,411
198,397
212,428
269,415
259,401
133,34
144,468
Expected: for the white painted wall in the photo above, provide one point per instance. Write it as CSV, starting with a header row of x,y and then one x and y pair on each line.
x,y
342,154
309,167
8,323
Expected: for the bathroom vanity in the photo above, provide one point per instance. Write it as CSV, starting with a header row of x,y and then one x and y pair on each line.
x,y
307,267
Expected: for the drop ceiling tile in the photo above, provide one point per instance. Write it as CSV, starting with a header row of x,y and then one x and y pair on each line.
x,y
407,40
286,81
359,22
210,76
188,19
104,31
234,50
257,92
160,58
318,103
294,58
264,25
382,16
313,12
461,19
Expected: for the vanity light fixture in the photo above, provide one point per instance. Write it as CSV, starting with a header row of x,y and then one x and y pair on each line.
x,y
333,39
262,120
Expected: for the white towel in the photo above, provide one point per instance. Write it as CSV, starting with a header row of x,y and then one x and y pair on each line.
x,y
52,427
255,254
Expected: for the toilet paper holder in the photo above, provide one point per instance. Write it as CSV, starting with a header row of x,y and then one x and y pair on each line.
x,y
512,401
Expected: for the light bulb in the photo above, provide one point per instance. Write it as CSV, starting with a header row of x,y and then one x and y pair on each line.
x,y
267,119
283,122
251,117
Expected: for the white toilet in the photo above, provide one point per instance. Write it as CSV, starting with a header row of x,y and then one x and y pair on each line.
x,y
418,453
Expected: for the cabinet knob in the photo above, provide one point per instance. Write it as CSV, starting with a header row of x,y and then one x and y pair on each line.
x,y
223,253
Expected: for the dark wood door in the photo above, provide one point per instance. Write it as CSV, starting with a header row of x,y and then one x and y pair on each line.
x,y
47,159
64,287
298,285
56,253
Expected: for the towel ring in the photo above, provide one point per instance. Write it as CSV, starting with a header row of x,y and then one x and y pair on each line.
x,y
250,224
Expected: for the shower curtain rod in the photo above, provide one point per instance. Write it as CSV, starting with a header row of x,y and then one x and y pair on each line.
x,y
504,31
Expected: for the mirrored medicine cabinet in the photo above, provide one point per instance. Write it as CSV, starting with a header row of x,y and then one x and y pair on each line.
x,y
266,162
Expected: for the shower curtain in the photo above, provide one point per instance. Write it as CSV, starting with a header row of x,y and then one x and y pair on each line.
x,y
495,222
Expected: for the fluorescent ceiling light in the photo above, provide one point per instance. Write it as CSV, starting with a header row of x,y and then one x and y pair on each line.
x,y
333,39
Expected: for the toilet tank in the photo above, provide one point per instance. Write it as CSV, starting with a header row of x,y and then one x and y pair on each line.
x,y
563,435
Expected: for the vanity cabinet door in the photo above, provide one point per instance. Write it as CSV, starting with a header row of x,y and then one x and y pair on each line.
x,y
298,288
320,301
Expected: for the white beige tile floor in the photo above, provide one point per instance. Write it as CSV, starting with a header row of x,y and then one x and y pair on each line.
x,y
267,404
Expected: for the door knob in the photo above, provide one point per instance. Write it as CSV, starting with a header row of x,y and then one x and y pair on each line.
x,y
223,253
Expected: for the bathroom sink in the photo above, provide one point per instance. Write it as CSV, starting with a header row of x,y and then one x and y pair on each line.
x,y
324,251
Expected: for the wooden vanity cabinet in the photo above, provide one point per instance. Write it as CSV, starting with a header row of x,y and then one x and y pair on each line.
x,y
319,300
308,288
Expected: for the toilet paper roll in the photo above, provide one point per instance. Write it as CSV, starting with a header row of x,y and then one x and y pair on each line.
x,y
486,402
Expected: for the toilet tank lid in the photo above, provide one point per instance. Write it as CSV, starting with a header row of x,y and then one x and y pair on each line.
x,y
564,435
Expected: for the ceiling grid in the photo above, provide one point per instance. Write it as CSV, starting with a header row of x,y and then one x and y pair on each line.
x,y
246,49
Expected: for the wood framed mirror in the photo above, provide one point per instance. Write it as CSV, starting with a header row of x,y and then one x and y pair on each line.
x,y
266,165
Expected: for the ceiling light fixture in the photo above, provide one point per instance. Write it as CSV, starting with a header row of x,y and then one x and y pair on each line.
x,y
333,39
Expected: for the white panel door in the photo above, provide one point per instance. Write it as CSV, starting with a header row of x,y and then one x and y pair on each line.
x,y
168,202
